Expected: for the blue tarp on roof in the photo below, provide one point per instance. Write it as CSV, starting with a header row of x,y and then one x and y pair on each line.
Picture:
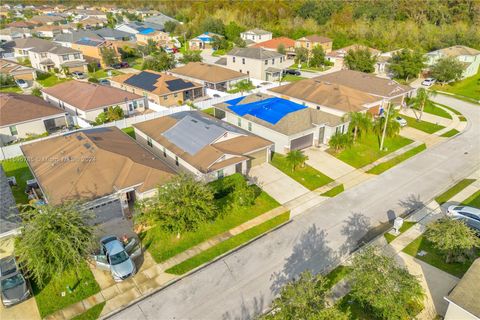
x,y
271,110
145,30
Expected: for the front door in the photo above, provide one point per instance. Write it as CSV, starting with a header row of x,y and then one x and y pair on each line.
x,y
238,168
321,135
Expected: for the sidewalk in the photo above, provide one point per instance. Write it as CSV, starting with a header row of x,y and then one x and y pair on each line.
x,y
151,276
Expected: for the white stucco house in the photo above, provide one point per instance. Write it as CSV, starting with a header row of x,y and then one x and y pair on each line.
x,y
468,56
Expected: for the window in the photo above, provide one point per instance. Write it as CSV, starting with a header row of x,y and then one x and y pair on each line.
x,y
77,56
176,161
249,126
149,142
308,44
273,61
164,152
243,60
65,57
43,55
248,72
239,121
240,70
220,174
13,130
175,95
165,97
266,62
105,109
233,59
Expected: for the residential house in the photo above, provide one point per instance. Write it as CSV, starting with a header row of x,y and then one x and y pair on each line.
x,y
9,219
22,116
201,145
90,13
468,56
10,34
258,63
386,89
16,70
144,13
67,39
47,19
291,126
160,88
87,100
6,49
92,23
21,24
463,299
209,75
135,27
160,19
50,31
383,62
310,42
92,49
275,43
47,56
256,35
339,54
160,37
203,41
103,168
329,97
113,34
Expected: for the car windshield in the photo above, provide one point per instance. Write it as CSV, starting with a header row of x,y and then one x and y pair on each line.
x,y
12,282
118,258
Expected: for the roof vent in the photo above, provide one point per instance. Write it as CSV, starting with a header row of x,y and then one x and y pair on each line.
x,y
87,145
79,137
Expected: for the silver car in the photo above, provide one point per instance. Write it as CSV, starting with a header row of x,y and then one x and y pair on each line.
x,y
13,286
117,258
469,215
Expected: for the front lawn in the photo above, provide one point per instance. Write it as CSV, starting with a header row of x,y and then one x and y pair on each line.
x,y
50,299
163,245
447,195
51,80
406,225
130,131
102,73
229,244
292,78
306,175
424,126
435,110
367,150
435,258
469,87
18,168
135,63
209,111
11,89
382,167
92,313
334,191
450,133
473,200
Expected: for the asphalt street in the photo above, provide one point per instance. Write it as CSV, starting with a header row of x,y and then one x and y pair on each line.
x,y
244,283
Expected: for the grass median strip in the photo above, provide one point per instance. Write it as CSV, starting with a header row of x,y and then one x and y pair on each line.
x,y
424,126
435,110
473,200
334,191
406,225
447,195
91,314
382,167
450,133
228,245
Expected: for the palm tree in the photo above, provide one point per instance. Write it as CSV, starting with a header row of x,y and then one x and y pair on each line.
x,y
340,141
295,158
422,99
244,85
386,125
361,122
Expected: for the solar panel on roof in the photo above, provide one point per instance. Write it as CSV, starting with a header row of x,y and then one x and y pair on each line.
x,y
144,80
178,84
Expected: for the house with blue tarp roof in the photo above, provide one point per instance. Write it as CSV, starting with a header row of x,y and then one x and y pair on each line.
x,y
290,125
203,41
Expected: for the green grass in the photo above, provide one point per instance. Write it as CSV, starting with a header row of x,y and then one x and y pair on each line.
x,y
469,87
337,274
52,80
458,113
163,245
135,63
102,73
292,78
209,111
229,244
92,313
355,310
306,175
11,89
432,109
424,126
235,90
406,225
367,150
18,168
435,258
219,53
309,69
473,200
49,299
450,133
462,118
130,131
447,195
334,191
382,167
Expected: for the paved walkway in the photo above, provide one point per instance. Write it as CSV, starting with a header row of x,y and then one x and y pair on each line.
x,y
150,276
276,183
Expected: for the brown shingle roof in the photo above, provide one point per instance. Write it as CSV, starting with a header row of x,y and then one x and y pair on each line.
x,y
89,96
318,39
207,72
327,94
94,163
160,85
366,82
275,42
465,294
17,108
208,158
456,51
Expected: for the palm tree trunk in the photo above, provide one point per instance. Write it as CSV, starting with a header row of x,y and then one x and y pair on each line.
x,y
421,111
355,133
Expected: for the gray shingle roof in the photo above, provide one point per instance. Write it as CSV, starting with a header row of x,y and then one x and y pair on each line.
x,y
160,19
112,33
258,31
40,45
254,53
76,35
9,219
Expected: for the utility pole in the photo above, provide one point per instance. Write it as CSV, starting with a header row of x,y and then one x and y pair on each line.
x,y
385,126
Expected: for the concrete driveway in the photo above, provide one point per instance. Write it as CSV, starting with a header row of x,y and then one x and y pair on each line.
x,y
276,183
327,164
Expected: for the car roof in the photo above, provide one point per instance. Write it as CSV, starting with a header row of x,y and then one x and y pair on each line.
x,y
8,265
114,246
468,209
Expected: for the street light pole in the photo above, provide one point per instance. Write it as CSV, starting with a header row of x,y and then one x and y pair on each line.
x,y
385,126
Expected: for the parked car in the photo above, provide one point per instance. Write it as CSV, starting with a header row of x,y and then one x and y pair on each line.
x,y
120,65
401,121
117,257
104,82
13,286
292,72
428,82
78,75
21,83
469,215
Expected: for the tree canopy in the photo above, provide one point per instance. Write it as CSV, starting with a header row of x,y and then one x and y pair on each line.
x,y
159,62
406,64
447,69
360,60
